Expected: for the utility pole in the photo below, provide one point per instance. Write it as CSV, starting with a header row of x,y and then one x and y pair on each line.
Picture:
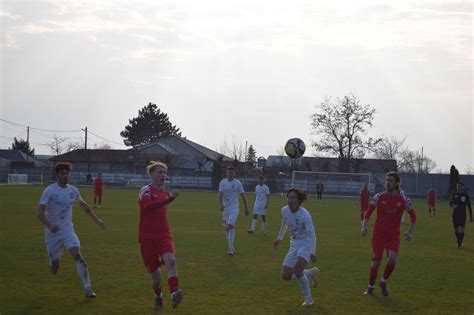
x,y
28,134
85,142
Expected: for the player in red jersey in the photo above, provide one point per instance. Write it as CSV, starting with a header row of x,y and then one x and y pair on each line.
x,y
431,200
156,241
390,206
98,188
364,200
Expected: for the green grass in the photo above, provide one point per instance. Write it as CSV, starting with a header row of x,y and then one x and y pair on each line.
x,y
432,276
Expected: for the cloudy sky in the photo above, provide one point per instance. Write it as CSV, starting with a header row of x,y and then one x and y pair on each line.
x,y
236,71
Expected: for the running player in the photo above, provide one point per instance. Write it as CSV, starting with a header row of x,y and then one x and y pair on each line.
x,y
390,206
55,213
364,199
262,197
98,188
156,241
302,243
431,199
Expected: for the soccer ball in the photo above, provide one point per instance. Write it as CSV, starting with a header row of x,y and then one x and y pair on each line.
x,y
295,148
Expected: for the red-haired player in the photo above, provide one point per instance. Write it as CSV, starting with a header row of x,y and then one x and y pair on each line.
x,y
98,189
390,206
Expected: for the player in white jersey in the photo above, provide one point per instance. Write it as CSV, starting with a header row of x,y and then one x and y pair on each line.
x,y
229,190
262,197
302,243
55,212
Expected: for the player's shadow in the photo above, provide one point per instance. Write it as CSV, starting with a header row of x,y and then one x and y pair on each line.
x,y
313,309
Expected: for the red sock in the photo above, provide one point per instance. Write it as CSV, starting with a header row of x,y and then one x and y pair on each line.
x,y
373,276
388,270
157,291
173,283
362,216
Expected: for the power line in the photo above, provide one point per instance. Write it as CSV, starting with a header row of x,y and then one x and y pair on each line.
x,y
121,144
47,130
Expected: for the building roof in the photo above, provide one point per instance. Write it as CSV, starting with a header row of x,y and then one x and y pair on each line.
x,y
96,155
15,156
164,143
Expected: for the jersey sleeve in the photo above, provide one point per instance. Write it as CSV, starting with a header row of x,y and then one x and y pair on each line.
x,y
407,202
45,196
78,197
309,226
221,186
375,200
267,190
240,188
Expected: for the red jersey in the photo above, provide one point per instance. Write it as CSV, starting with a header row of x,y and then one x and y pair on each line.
x,y
98,184
153,218
364,197
389,213
431,196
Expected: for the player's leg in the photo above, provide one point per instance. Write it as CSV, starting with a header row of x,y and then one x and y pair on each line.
x,y
152,261
95,198
54,247
231,221
173,281
377,254
434,209
293,269
83,271
461,235
389,267
100,198
264,223
253,225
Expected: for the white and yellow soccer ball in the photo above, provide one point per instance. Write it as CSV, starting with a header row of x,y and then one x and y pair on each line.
x,y
295,148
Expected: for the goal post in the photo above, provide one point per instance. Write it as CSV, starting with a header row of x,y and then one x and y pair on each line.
x,y
344,183
17,179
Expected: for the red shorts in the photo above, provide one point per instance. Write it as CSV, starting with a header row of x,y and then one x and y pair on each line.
x,y
431,203
379,245
153,251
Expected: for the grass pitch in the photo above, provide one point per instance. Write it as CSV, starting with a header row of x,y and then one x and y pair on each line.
x,y
431,277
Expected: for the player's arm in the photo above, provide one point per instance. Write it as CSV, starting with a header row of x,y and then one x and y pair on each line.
x,y
221,200
367,214
469,207
451,203
309,226
91,214
267,201
149,204
411,227
41,215
244,199
281,234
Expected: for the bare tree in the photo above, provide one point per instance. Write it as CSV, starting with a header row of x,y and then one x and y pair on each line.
x,y
389,148
340,127
469,170
413,162
59,145
234,150
103,146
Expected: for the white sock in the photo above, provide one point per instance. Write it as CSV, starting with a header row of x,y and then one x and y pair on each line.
x,y
254,224
383,280
230,238
83,272
264,227
304,284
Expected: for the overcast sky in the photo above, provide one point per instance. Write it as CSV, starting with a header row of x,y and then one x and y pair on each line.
x,y
236,71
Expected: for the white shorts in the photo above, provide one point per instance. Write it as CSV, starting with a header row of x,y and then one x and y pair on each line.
x,y
56,242
260,210
297,250
229,216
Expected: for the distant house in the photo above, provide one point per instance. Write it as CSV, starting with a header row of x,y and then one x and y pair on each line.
x,y
177,152
323,164
182,153
16,161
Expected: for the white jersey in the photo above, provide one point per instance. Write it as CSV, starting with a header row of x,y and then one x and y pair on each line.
x,y
231,190
261,193
59,204
301,226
